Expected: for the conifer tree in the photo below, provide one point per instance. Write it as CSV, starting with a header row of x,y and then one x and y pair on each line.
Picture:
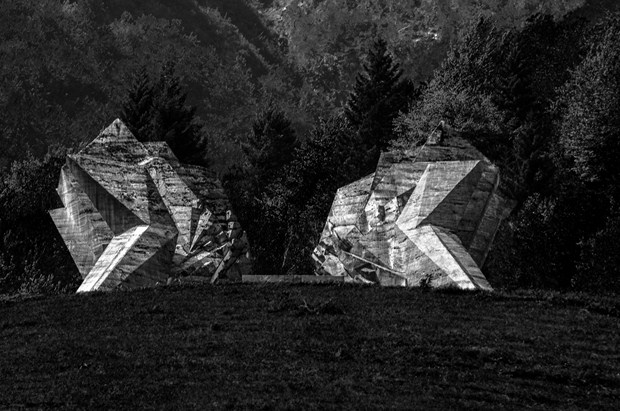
x,y
270,148
155,110
271,144
175,122
377,98
296,202
137,111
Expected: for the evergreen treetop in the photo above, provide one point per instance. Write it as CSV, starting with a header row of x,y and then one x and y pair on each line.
x,y
379,95
155,110
137,109
271,143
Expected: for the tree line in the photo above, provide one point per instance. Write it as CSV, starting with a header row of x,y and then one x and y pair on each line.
x,y
540,100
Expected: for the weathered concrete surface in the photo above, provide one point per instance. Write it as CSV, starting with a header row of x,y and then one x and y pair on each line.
x,y
133,216
423,219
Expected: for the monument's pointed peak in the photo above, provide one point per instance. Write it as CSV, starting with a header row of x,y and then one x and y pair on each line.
x,y
115,132
119,130
115,141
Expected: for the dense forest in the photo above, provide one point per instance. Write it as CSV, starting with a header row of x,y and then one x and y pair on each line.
x,y
289,100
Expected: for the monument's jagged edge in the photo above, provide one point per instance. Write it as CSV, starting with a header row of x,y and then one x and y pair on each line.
x,y
421,219
135,217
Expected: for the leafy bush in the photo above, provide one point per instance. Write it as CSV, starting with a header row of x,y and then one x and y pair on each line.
x,y
33,256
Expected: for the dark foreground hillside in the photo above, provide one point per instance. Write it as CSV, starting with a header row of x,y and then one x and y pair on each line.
x,y
313,347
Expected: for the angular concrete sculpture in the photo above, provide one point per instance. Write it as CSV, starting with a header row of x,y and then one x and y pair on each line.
x,y
424,219
134,216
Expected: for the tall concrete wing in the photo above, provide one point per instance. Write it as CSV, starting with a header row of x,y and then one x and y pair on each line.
x,y
134,216
421,219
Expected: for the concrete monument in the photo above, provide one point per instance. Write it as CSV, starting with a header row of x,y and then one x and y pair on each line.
x,y
135,217
427,218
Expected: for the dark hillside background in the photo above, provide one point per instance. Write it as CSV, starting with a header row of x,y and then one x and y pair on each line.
x,y
230,26
66,65
326,39
593,9
268,89
70,61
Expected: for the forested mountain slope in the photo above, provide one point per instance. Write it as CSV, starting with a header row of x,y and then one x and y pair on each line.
x,y
326,39
595,9
289,100
229,26
65,65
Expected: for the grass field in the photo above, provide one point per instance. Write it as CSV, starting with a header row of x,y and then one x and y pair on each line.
x,y
310,347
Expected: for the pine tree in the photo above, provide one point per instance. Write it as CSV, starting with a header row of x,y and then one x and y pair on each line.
x,y
175,122
269,149
296,202
156,111
377,98
271,144
138,111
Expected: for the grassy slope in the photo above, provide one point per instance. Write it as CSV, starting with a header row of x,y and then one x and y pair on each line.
x,y
242,346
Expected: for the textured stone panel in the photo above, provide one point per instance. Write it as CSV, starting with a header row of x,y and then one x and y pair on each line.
x,y
83,229
425,218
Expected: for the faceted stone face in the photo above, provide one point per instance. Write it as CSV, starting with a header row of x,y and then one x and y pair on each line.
x,y
424,219
134,216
